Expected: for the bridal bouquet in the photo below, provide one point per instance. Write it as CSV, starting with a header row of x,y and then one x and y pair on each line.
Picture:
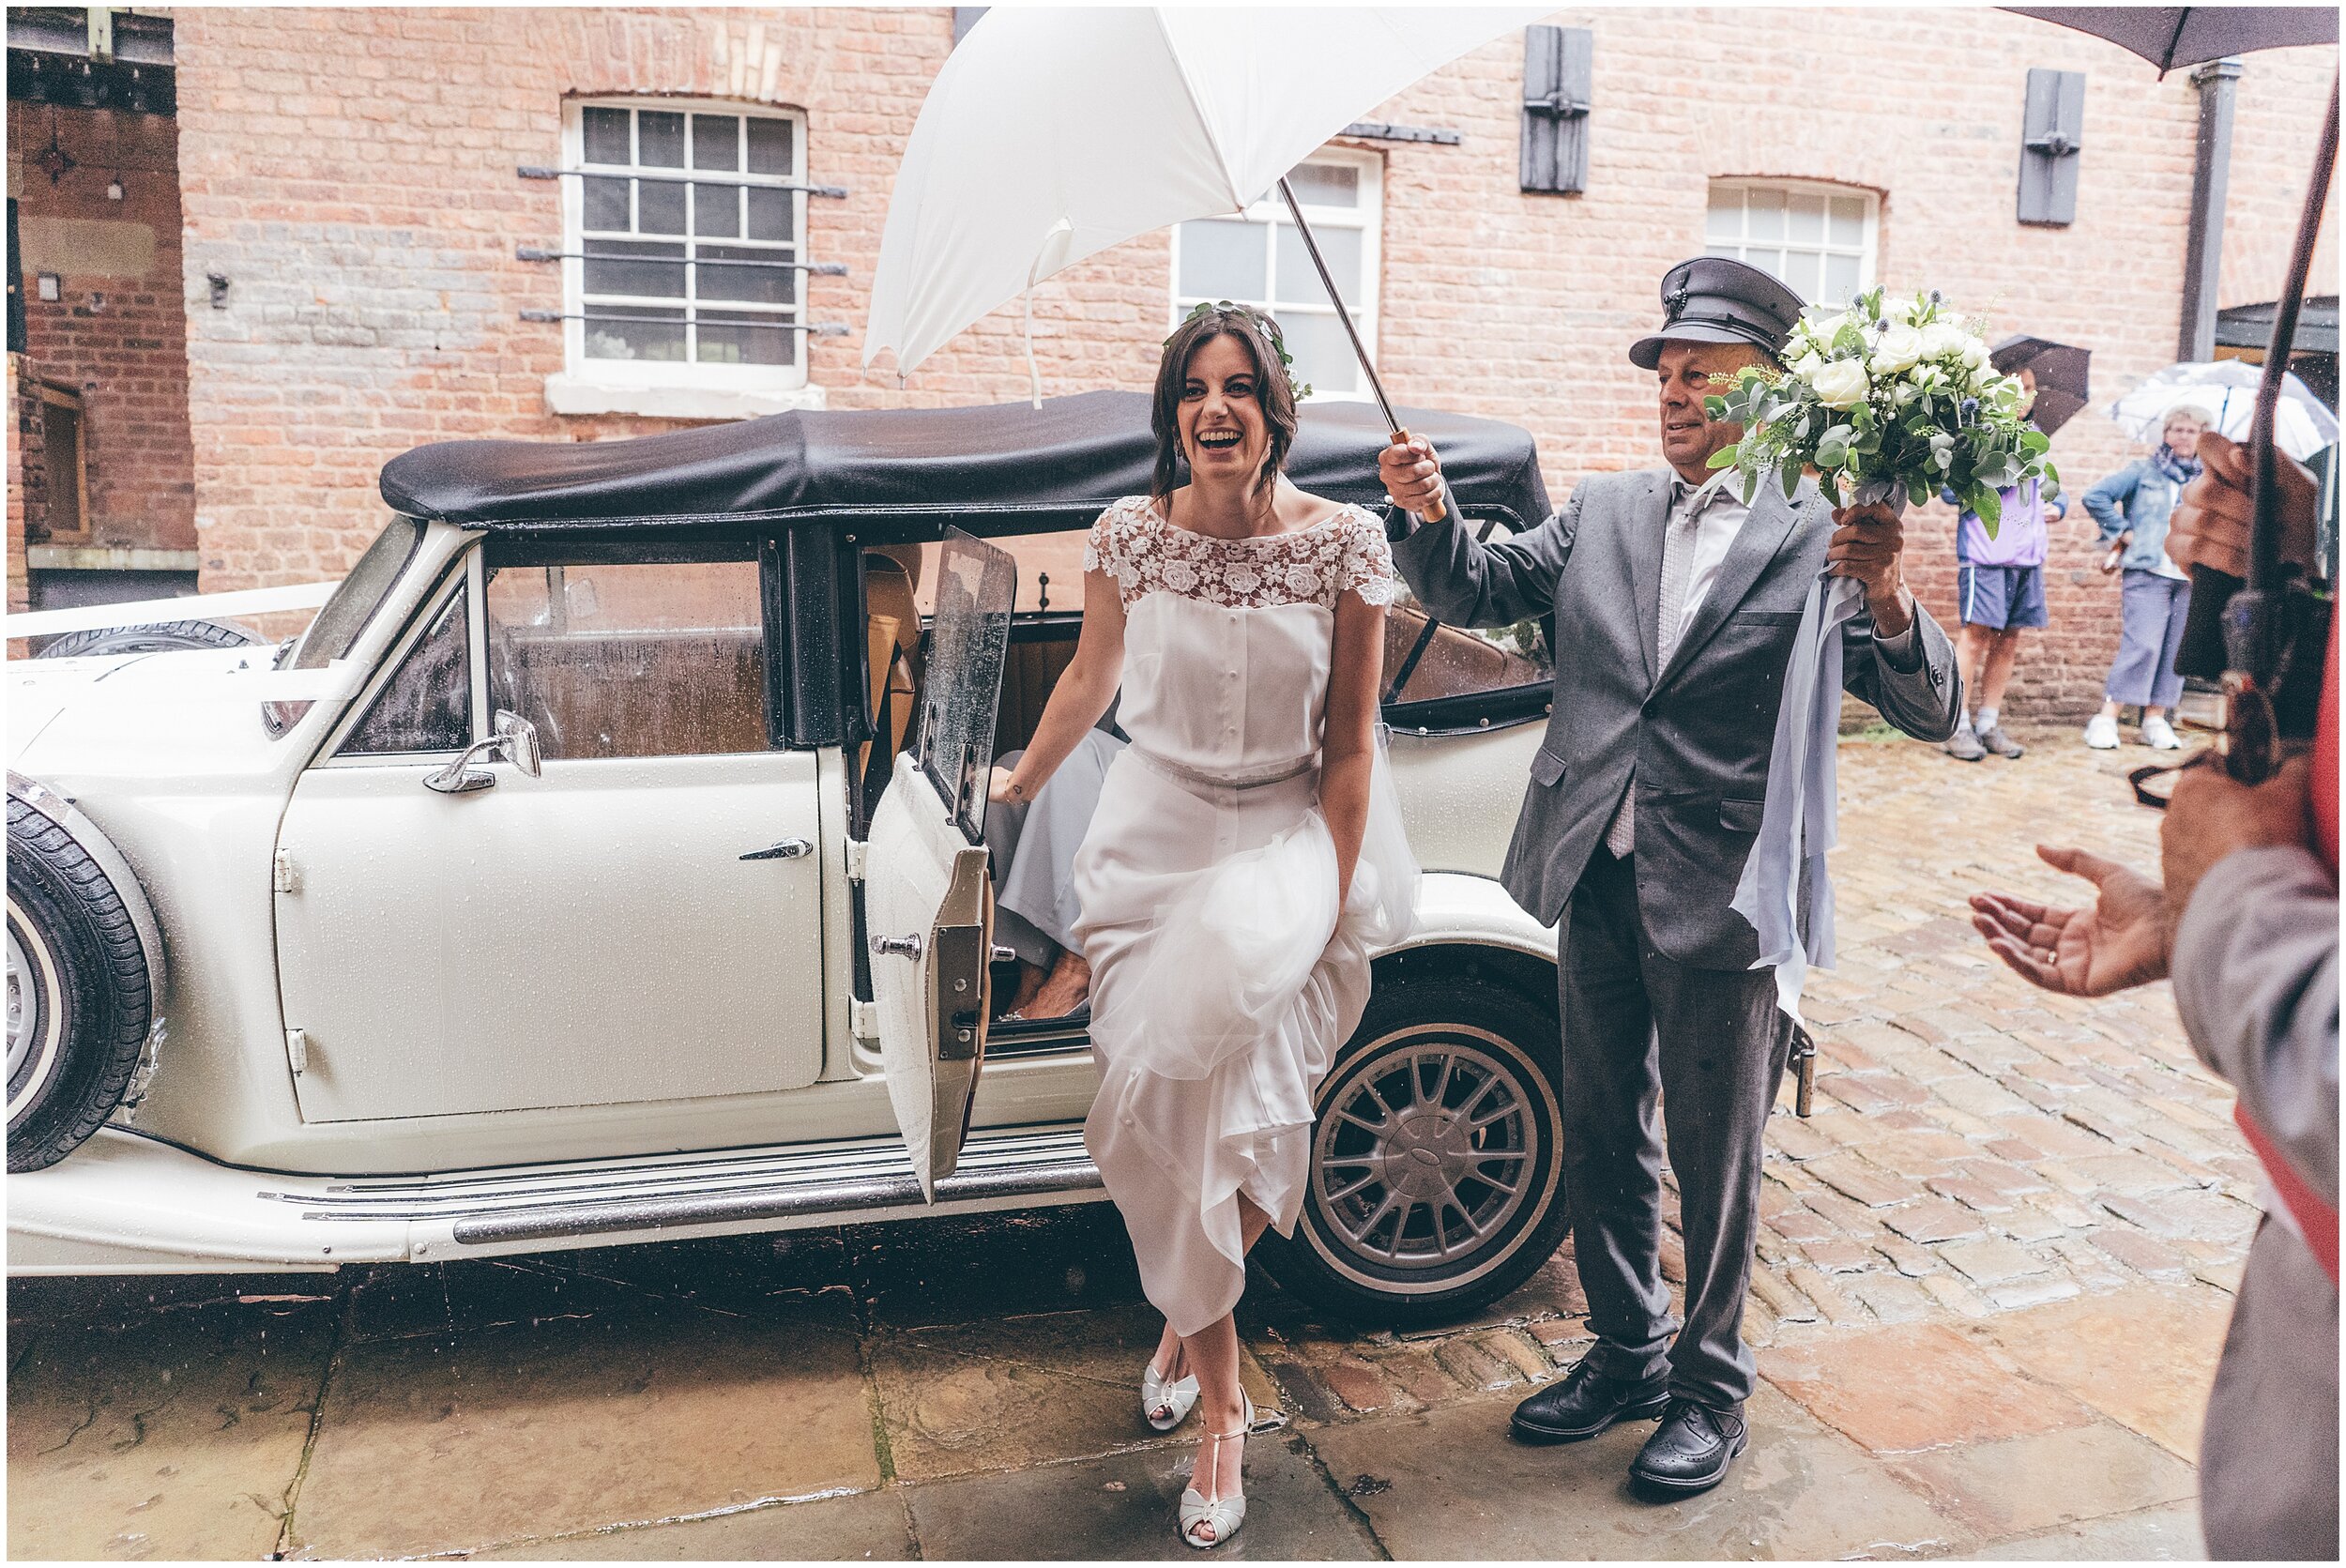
x,y
1894,396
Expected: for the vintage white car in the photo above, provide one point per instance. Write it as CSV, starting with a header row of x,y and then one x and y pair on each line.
x,y
576,878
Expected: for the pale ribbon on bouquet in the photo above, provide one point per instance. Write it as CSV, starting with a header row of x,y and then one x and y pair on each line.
x,y
1785,891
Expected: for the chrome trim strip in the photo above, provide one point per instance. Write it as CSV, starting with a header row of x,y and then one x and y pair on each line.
x,y
829,1199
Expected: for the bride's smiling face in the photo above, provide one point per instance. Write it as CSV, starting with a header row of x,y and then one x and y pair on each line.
x,y
1223,434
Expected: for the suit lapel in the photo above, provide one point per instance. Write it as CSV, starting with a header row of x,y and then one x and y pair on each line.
x,y
1644,541
1755,545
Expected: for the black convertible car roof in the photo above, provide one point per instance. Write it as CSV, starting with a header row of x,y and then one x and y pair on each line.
x,y
1057,465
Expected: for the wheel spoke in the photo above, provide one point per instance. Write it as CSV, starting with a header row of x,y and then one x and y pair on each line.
x,y
1400,1226
1337,1195
1375,1127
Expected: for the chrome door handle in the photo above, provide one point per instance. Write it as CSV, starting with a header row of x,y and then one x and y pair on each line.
x,y
900,947
788,850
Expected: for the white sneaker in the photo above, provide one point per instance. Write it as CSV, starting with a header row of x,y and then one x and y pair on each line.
x,y
2158,735
2101,733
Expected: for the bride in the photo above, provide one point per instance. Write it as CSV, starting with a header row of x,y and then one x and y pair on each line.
x,y
1246,857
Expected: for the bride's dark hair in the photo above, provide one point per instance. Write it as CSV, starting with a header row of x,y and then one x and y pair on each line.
x,y
1274,388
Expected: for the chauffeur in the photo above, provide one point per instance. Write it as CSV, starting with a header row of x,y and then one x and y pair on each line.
x,y
1675,612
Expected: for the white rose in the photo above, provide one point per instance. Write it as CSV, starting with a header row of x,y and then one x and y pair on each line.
x,y
1841,384
1806,366
1942,340
1896,349
1825,329
1974,352
1905,393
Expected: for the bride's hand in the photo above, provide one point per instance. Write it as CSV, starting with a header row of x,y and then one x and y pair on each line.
x,y
1000,791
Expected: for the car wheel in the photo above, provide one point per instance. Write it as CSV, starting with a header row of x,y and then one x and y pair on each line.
x,y
1435,1180
163,638
79,994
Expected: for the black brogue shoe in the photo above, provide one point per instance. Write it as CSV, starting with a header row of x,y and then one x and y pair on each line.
x,y
1586,1403
1690,1452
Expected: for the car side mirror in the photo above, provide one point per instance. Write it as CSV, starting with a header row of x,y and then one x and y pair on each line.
x,y
516,741
521,741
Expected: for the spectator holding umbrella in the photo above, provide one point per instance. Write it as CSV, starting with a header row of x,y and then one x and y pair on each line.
x,y
2000,578
2130,509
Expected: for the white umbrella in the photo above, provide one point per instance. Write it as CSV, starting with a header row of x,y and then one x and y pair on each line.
x,y
2226,392
1054,133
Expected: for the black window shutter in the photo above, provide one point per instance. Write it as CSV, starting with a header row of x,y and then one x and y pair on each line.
x,y
2051,130
1557,65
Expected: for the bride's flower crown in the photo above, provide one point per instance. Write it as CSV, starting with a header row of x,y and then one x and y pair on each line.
x,y
1299,390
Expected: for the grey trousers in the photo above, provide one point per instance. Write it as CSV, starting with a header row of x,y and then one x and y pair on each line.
x,y
1712,1045
2152,609
2268,1456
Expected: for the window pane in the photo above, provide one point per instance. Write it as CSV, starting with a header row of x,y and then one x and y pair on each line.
x,y
428,704
745,341
1221,259
1766,261
658,207
660,139
630,660
1804,273
1460,661
716,141
632,277
1849,220
1807,220
769,146
717,210
1299,282
1840,279
1323,355
634,332
354,604
1325,184
607,204
607,136
1765,210
1724,224
770,215
763,283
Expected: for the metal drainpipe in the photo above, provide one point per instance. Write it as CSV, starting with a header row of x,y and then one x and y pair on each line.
x,y
2211,175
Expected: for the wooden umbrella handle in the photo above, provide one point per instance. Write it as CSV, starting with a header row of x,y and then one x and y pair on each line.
x,y
1437,511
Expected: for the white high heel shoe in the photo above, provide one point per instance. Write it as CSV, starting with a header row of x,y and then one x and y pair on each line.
x,y
1223,1515
1165,1402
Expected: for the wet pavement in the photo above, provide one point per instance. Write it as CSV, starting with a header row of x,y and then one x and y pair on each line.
x,y
1993,1284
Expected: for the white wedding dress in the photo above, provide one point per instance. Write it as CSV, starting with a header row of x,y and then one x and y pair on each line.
x,y
1224,976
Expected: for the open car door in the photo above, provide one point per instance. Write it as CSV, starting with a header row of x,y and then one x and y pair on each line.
x,y
928,896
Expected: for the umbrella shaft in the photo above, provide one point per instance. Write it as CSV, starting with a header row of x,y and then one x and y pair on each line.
x,y
1328,282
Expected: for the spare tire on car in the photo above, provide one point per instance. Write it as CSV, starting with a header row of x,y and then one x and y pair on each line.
x,y
161,637
80,997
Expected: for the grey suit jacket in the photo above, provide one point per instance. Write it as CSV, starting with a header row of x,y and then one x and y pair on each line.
x,y
1696,735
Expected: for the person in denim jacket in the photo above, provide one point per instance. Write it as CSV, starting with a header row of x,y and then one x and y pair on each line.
x,y
2130,509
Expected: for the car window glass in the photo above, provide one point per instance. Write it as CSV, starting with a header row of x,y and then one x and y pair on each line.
x,y
644,659
427,707
339,623
1457,661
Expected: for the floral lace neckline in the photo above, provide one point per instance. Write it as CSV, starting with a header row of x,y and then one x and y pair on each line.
x,y
1147,552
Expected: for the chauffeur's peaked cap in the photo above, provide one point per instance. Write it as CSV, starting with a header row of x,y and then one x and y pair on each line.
x,y
1713,300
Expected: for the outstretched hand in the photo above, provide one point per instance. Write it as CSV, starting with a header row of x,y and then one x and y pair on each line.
x,y
2119,942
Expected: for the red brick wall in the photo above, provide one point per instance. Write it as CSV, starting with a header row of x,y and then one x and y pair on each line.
x,y
23,443
117,337
352,171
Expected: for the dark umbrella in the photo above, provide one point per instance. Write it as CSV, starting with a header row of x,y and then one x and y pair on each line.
x,y
2060,370
2173,36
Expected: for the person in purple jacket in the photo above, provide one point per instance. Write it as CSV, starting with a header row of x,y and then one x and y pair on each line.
x,y
1999,592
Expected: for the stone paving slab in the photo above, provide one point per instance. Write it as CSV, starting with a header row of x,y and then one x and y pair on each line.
x,y
860,1527
1451,1484
2152,1535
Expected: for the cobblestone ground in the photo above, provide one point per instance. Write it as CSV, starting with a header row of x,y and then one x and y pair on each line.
x,y
1996,1271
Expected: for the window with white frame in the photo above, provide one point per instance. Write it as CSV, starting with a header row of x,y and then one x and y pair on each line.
x,y
1818,239
686,243
1259,259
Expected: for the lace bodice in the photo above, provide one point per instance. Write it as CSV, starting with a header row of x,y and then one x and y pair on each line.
x,y
1133,543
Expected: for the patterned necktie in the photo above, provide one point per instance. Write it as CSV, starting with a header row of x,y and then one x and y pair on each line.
x,y
1678,566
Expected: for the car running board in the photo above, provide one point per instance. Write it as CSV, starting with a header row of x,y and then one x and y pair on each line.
x,y
128,1203
866,1178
